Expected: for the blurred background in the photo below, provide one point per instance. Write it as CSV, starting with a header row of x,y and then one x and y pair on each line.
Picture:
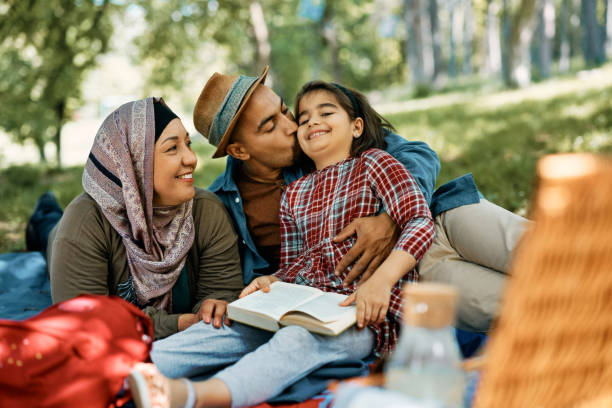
x,y
491,85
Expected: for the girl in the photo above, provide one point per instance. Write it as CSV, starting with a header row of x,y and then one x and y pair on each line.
x,y
340,132
343,136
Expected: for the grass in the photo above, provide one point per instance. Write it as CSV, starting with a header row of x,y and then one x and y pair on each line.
x,y
20,187
497,136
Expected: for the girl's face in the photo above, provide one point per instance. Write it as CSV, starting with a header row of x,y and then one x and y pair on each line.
x,y
325,130
173,166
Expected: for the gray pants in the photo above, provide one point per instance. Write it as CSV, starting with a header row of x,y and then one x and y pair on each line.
x,y
261,363
472,251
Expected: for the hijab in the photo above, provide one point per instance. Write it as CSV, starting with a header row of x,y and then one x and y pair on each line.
x,y
118,175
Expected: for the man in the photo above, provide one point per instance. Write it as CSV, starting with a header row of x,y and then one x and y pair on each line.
x,y
248,122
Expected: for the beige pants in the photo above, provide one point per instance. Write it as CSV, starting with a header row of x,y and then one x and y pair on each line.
x,y
472,251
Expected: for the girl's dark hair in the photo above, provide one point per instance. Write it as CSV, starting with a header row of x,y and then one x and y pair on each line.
x,y
375,126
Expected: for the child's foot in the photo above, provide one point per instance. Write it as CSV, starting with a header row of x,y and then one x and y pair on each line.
x,y
150,389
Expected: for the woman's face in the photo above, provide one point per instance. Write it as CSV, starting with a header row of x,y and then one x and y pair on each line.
x,y
173,166
325,130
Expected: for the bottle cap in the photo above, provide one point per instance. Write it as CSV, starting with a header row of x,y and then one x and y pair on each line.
x,y
430,305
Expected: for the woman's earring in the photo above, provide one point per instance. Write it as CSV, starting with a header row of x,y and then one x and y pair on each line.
x,y
356,135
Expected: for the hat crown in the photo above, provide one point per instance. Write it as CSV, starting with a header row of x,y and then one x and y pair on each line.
x,y
211,98
220,104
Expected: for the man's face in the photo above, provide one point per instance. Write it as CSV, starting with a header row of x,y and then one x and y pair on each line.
x,y
267,130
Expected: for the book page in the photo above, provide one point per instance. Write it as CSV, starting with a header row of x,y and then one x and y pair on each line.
x,y
281,298
325,307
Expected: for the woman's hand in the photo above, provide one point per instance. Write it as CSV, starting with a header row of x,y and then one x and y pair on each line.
x,y
214,310
186,320
372,300
376,237
262,282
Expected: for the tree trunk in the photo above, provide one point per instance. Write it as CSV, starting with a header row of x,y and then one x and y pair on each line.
x,y
564,52
60,110
412,17
491,43
608,25
547,35
329,35
436,39
260,29
591,42
452,60
468,36
331,38
519,61
505,42
40,145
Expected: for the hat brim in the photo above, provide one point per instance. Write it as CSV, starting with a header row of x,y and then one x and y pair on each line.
x,y
220,152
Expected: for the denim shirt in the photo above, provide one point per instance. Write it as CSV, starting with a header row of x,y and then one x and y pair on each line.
x,y
422,162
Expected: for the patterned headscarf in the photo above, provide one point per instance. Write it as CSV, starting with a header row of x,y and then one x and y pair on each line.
x,y
119,177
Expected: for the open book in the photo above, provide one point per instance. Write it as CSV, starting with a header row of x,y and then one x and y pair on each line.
x,y
288,304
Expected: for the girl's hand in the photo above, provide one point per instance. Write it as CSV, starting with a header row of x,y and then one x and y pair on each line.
x,y
262,282
372,299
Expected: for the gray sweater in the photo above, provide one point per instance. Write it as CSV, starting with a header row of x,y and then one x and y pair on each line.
x,y
87,255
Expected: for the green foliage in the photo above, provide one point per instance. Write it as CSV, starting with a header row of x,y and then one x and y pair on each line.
x,y
179,33
20,187
500,146
45,50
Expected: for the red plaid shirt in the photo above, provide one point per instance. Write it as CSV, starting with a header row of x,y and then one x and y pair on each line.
x,y
318,206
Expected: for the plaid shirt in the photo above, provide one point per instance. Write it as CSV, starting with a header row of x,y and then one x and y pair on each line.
x,y
318,206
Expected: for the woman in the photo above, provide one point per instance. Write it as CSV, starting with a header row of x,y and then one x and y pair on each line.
x,y
141,230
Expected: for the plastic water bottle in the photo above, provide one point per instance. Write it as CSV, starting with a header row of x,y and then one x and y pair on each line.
x,y
426,364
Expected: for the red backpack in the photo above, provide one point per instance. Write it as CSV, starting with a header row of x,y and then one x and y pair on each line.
x,y
73,354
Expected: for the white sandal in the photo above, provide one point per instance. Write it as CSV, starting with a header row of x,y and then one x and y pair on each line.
x,y
150,389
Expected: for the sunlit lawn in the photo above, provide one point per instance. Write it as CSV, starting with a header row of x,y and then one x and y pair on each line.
x,y
501,145
499,140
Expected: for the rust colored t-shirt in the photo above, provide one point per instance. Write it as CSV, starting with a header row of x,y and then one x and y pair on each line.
x,y
261,206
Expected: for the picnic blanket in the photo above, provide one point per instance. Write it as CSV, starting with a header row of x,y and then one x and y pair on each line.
x,y
24,287
25,291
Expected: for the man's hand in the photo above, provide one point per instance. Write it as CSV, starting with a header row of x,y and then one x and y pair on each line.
x,y
262,282
213,310
372,300
186,320
376,237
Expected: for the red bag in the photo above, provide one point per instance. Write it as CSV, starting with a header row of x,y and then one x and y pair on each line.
x,y
73,354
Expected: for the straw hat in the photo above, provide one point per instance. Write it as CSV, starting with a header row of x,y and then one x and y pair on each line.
x,y
220,104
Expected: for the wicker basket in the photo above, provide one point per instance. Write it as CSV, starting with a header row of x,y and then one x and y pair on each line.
x,y
552,345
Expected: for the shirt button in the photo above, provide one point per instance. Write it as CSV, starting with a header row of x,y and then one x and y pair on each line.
x,y
237,200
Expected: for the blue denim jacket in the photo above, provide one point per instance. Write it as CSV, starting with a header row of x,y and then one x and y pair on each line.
x,y
417,157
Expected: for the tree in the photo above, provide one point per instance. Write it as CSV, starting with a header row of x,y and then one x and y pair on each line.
x,y
492,48
452,60
336,45
564,52
468,36
419,47
436,39
518,71
608,27
592,41
45,50
546,34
